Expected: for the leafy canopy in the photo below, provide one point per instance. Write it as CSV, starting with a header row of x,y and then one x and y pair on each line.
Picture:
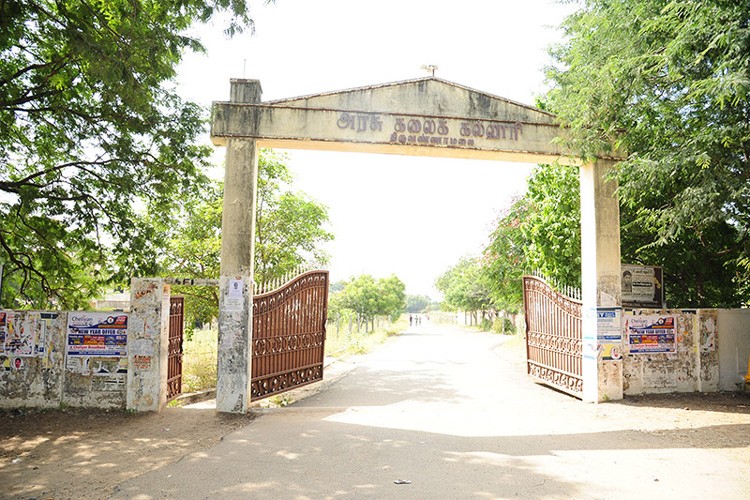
x,y
92,137
290,229
367,297
668,82
463,286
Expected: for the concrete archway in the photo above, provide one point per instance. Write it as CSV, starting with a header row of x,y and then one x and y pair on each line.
x,y
421,117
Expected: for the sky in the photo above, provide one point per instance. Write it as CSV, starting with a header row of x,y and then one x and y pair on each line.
x,y
414,217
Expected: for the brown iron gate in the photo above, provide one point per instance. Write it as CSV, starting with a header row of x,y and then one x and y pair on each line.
x,y
289,335
553,336
174,360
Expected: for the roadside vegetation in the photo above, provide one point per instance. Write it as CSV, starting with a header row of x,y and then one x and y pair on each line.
x,y
363,312
668,82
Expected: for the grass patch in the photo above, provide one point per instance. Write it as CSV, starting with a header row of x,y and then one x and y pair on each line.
x,y
199,361
342,342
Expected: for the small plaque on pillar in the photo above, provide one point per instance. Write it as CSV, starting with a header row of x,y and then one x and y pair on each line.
x,y
235,295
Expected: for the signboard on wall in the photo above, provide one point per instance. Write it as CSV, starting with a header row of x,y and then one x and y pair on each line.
x,y
651,334
642,286
609,332
97,334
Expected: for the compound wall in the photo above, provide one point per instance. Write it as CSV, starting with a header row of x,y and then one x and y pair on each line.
x,y
53,358
685,350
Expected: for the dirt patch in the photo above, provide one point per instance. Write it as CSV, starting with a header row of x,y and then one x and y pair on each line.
x,y
723,402
84,453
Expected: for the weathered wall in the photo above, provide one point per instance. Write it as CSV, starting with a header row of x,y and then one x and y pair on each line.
x,y
422,117
734,336
36,369
709,353
148,342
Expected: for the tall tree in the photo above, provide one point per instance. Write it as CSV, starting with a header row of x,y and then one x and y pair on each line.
x,y
463,287
504,262
417,303
392,297
538,232
668,82
92,136
290,228
551,224
368,298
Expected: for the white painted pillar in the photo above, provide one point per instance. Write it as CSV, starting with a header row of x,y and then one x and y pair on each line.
x,y
237,251
148,344
601,288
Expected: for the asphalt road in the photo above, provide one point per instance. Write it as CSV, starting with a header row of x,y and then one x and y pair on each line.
x,y
444,413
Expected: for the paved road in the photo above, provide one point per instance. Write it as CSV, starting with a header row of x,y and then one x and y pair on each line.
x,y
451,414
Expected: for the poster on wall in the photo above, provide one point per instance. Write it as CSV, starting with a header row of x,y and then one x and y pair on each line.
x,y
609,332
642,286
708,332
651,334
3,322
22,337
97,334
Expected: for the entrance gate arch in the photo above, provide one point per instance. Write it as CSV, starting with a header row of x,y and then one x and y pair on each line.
x,y
422,117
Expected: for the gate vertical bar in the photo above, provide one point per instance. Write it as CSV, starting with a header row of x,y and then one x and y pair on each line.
x,y
176,337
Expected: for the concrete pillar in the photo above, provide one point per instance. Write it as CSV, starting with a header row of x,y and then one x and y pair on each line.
x,y
601,288
148,344
237,250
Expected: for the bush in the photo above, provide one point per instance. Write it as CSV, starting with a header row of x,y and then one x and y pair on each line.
x,y
504,326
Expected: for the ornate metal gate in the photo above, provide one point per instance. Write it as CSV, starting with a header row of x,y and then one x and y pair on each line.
x,y
553,336
174,360
289,335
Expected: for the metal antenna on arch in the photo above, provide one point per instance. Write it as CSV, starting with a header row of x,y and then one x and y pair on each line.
x,y
430,68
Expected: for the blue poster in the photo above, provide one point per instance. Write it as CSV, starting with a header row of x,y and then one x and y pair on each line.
x,y
97,334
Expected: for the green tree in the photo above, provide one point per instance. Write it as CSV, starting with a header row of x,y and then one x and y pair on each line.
x,y
290,227
538,232
668,82
505,258
551,225
463,286
369,298
93,136
392,297
417,303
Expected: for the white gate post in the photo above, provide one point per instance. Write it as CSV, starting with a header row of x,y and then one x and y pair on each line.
x,y
601,278
148,344
237,251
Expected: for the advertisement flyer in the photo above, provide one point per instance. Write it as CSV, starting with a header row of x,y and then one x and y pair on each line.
x,y
642,286
97,334
3,322
651,334
609,332
22,337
